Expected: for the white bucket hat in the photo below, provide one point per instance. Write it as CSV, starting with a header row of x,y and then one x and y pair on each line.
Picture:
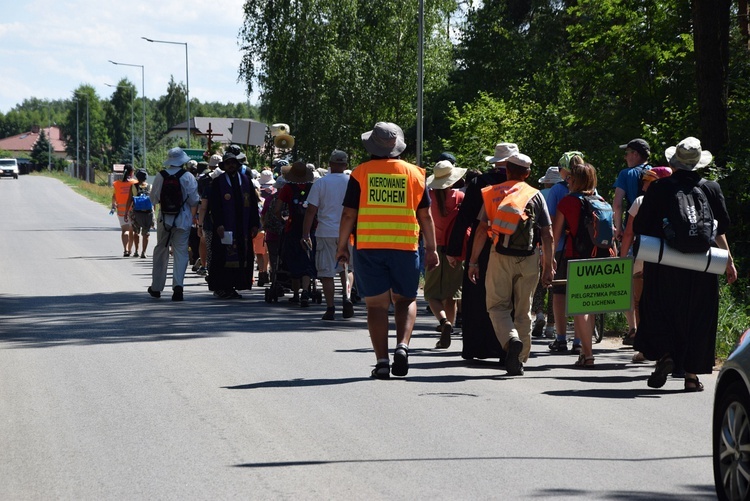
x,y
502,152
176,158
445,175
688,155
266,178
551,176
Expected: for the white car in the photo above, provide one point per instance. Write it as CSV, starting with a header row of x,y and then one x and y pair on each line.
x,y
9,167
731,425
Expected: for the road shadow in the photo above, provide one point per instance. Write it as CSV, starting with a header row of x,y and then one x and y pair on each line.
x,y
124,317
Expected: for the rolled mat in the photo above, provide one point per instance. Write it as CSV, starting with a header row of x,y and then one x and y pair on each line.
x,y
655,250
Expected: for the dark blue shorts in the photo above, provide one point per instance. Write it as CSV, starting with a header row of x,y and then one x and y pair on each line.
x,y
380,270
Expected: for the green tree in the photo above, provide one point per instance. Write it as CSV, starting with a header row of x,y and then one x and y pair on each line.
x,y
40,152
119,111
90,112
337,67
173,105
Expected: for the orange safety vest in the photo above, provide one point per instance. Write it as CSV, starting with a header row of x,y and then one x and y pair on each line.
x,y
505,204
390,191
122,192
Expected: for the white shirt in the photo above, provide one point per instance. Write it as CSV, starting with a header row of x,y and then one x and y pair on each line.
x,y
327,194
183,220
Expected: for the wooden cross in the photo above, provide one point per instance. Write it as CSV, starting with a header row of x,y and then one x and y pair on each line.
x,y
209,134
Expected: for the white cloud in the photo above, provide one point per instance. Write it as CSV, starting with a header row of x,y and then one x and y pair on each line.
x,y
48,48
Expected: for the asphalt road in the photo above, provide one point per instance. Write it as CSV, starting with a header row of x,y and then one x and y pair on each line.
x,y
106,393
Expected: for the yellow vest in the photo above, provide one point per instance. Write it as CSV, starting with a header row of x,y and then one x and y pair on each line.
x,y
390,191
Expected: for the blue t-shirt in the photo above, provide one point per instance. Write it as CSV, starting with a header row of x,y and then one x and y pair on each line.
x,y
555,194
628,180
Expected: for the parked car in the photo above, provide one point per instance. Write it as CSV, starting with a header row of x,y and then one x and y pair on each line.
x,y
9,167
731,425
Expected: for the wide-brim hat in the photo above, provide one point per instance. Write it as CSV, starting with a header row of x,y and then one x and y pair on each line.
x,y
297,173
688,155
266,178
502,152
386,139
445,175
551,176
176,158
214,161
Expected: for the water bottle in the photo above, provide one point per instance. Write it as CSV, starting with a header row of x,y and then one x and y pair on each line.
x,y
112,211
668,230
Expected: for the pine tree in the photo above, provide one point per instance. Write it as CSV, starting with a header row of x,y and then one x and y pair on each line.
x,y
40,151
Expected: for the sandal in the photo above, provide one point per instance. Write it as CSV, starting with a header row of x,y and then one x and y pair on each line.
x,y
663,367
401,361
695,385
382,370
629,338
584,362
445,335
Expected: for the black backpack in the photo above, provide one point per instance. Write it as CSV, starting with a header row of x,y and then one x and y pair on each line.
x,y
689,225
170,198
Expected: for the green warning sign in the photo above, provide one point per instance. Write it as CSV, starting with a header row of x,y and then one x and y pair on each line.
x,y
196,155
599,285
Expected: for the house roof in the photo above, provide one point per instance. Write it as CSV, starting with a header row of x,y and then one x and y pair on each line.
x,y
26,141
218,126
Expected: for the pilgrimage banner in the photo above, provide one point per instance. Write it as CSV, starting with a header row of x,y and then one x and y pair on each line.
x,y
599,285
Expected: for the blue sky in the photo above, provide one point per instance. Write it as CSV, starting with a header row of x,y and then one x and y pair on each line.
x,y
50,47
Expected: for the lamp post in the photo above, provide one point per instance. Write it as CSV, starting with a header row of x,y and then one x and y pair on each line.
x,y
187,79
49,136
132,127
143,91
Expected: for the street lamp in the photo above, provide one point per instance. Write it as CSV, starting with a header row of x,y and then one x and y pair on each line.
x,y
132,128
49,136
187,79
143,91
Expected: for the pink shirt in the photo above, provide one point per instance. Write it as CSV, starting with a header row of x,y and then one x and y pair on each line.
x,y
444,224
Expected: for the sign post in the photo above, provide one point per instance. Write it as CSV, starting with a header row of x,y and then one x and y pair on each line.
x,y
599,286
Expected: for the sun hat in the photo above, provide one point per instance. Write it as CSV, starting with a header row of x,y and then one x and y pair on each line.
x,y
339,157
564,162
639,145
176,158
141,175
688,155
520,160
239,156
445,175
297,173
214,161
386,139
266,178
502,152
552,175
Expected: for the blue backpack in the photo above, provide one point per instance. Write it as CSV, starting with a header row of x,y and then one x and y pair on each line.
x,y
595,227
142,200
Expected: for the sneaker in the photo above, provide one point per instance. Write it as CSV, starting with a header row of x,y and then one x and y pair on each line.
x,y
263,278
348,309
400,362
538,330
294,299
330,314
177,294
153,293
549,332
558,346
196,265
143,255
576,349
202,271
135,254
512,363
125,254
304,300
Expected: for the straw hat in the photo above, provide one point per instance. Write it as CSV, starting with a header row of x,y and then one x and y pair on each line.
x,y
445,175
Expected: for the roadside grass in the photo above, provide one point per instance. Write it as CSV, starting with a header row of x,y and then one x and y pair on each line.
x,y
98,192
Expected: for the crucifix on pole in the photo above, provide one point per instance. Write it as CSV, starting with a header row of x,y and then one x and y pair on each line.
x,y
209,134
